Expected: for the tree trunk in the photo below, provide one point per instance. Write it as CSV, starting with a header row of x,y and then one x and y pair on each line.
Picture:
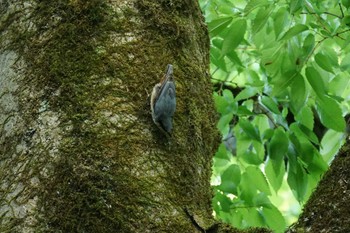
x,y
79,151
328,209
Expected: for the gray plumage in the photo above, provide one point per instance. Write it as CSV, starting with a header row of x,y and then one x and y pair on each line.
x,y
163,101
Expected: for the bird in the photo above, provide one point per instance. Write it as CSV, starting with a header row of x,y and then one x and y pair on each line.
x,y
163,101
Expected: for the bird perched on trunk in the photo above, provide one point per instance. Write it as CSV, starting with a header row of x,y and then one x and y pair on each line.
x,y
163,101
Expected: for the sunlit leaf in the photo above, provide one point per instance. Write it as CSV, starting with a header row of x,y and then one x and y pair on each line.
x,y
280,21
246,93
297,178
234,36
215,58
295,30
230,179
253,4
257,179
305,117
295,5
218,25
249,129
283,81
222,153
261,18
298,93
223,124
315,81
308,45
255,157
275,172
232,55
324,62
270,104
274,219
330,114
222,202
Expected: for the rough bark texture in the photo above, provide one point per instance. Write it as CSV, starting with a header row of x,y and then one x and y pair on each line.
x,y
328,209
79,151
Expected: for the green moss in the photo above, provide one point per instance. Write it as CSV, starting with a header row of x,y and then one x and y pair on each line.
x,y
71,52
65,52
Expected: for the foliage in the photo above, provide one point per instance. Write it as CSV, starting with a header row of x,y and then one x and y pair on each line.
x,y
281,72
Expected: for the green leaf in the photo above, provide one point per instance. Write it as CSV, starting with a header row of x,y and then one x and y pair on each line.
x,y
222,153
257,179
346,20
261,18
278,145
215,59
297,29
280,21
247,93
317,166
217,42
270,104
297,178
230,179
330,114
249,129
228,96
331,143
345,3
252,217
339,85
308,45
218,25
223,124
306,117
315,81
284,81
277,148
345,64
253,4
275,172
225,202
324,62
274,219
253,79
255,157
295,5
234,36
225,104
232,55
236,217
261,199
309,134
298,93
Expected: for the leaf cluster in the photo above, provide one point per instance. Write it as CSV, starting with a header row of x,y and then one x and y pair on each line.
x,y
281,74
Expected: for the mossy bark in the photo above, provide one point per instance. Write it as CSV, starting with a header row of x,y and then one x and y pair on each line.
x,y
328,209
80,152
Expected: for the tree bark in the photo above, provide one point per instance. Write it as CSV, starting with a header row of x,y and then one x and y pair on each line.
x,y
328,209
79,151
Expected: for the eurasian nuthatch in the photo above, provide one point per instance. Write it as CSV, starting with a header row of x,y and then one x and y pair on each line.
x,y
163,101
